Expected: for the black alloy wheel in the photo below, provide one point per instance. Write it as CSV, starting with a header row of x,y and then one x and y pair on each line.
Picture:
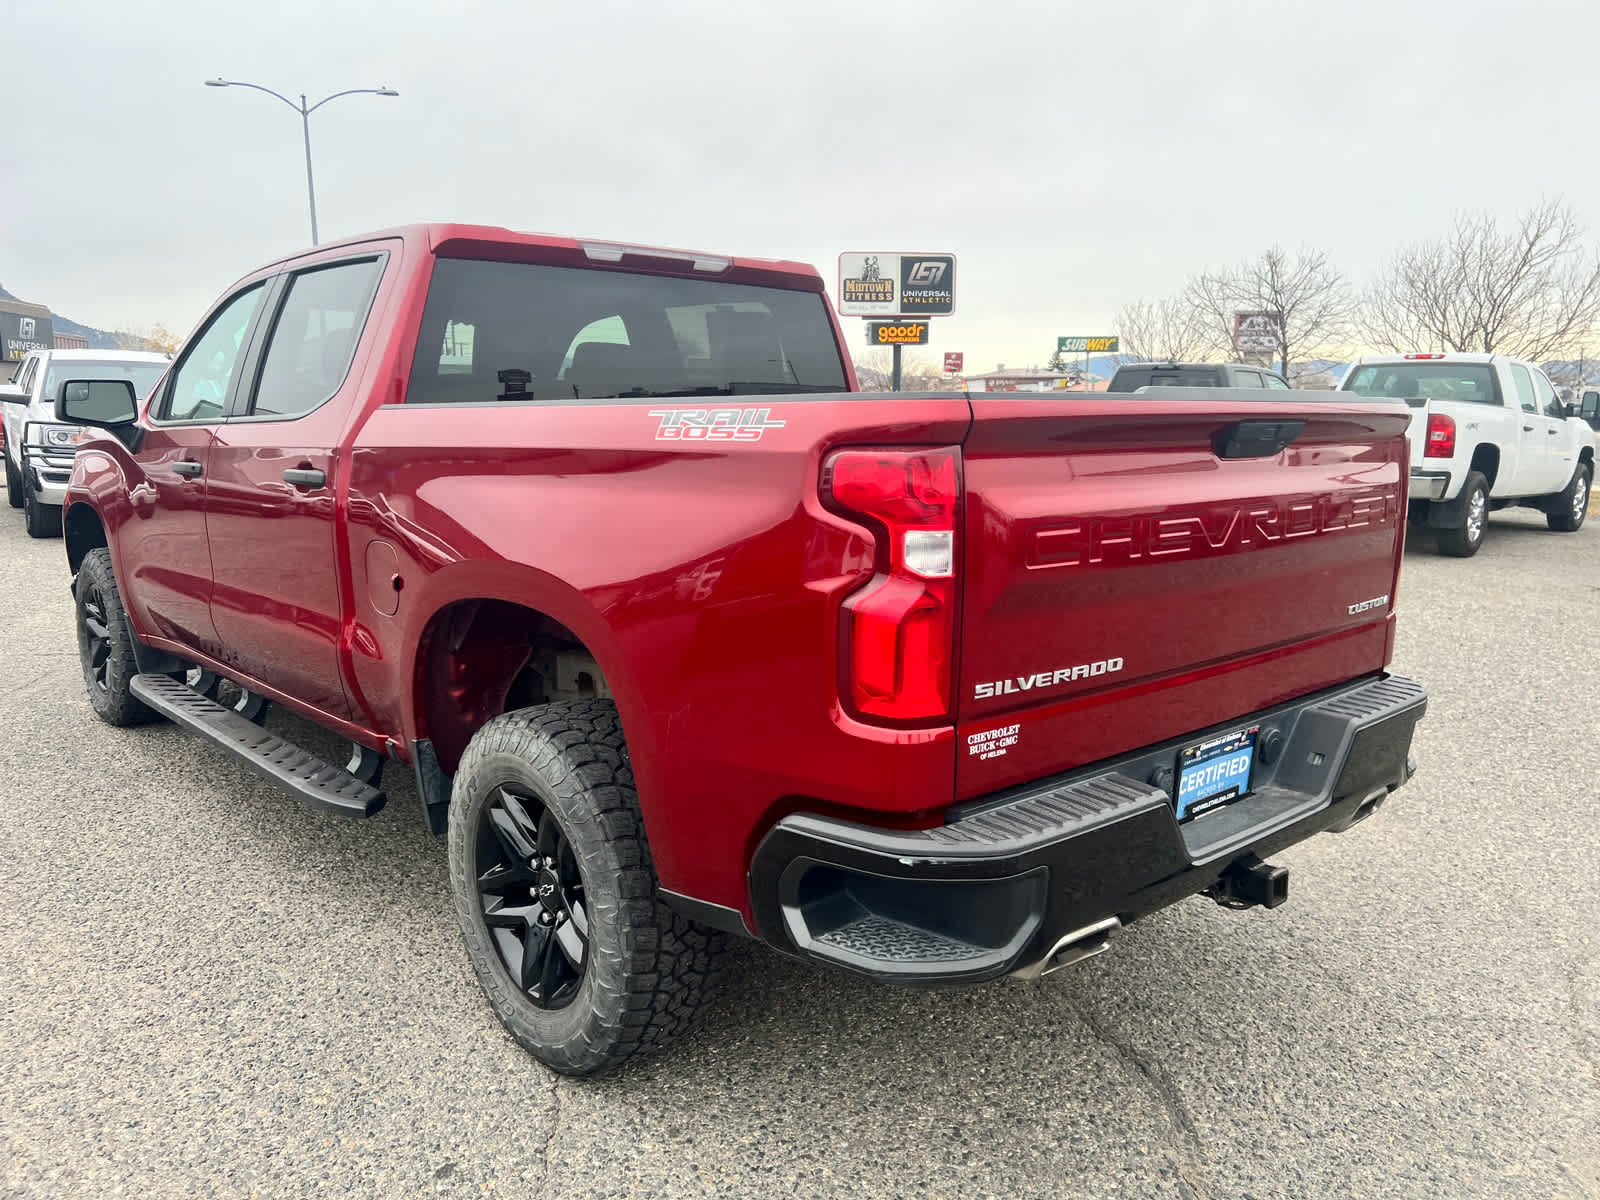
x,y
554,888
532,897
105,643
95,642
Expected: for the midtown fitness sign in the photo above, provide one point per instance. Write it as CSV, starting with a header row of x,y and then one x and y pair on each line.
x,y
880,284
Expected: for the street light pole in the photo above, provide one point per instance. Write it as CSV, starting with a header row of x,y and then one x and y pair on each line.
x,y
305,112
311,190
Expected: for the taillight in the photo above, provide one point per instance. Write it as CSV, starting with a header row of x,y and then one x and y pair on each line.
x,y
1441,437
899,630
1424,356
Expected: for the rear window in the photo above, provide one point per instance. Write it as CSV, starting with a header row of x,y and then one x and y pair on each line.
x,y
518,331
1131,379
1419,381
145,375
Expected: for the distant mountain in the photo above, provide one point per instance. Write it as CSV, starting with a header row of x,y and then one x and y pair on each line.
x,y
98,339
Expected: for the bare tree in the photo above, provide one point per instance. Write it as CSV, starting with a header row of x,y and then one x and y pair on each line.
x,y
1532,291
1311,299
1154,330
1210,299
924,374
874,369
919,371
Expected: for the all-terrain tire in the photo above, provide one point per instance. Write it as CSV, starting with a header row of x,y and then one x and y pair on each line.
x,y
105,643
1568,509
13,484
647,972
42,520
1462,540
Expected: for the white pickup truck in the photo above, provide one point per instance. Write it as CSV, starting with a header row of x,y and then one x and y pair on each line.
x,y
1487,432
38,451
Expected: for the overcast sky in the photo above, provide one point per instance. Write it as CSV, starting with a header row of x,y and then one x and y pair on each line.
x,y
1075,157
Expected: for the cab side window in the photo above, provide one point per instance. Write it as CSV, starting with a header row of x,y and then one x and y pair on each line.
x,y
1273,382
1524,385
1549,402
201,382
314,337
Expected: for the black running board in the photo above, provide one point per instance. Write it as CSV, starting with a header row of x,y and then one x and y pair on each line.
x,y
307,777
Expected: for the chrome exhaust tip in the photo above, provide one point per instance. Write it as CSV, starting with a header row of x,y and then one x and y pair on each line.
x,y
1370,804
1072,948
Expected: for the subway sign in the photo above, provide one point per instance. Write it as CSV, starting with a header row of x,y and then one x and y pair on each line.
x,y
897,333
1086,345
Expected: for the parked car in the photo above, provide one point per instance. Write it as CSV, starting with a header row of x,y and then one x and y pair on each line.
x,y
685,639
1131,377
1488,432
38,449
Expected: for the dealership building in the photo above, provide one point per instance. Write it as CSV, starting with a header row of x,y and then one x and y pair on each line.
x,y
1029,379
23,327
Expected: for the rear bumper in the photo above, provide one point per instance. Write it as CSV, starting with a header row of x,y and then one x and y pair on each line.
x,y
1429,485
998,888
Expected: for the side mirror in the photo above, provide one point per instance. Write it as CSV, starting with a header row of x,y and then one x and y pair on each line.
x,y
105,403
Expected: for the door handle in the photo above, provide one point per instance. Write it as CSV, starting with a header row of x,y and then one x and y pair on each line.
x,y
188,469
301,477
1527,429
1553,432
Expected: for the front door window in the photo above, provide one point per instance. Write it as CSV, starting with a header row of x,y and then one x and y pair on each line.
x,y
201,384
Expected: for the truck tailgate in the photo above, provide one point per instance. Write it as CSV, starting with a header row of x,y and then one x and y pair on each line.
x,y
1126,580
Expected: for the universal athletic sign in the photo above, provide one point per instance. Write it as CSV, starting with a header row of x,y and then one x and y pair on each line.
x,y
880,284
21,333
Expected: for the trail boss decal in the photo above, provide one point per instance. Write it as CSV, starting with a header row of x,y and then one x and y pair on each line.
x,y
713,424
1045,679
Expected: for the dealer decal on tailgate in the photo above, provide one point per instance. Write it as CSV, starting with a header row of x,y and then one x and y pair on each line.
x,y
992,743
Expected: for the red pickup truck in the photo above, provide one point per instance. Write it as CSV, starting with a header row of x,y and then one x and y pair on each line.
x,y
685,638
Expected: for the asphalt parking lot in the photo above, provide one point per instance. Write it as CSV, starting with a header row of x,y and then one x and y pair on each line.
x,y
206,990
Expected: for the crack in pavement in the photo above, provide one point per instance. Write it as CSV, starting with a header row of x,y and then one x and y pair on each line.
x,y
550,1134
1184,1152
1583,1038
35,680
1578,1181
1587,1045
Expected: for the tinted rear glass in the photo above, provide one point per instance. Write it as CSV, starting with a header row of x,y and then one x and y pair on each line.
x,y
1419,381
145,375
1131,379
515,331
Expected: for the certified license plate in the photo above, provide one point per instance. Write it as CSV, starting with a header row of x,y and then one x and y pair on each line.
x,y
1215,772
